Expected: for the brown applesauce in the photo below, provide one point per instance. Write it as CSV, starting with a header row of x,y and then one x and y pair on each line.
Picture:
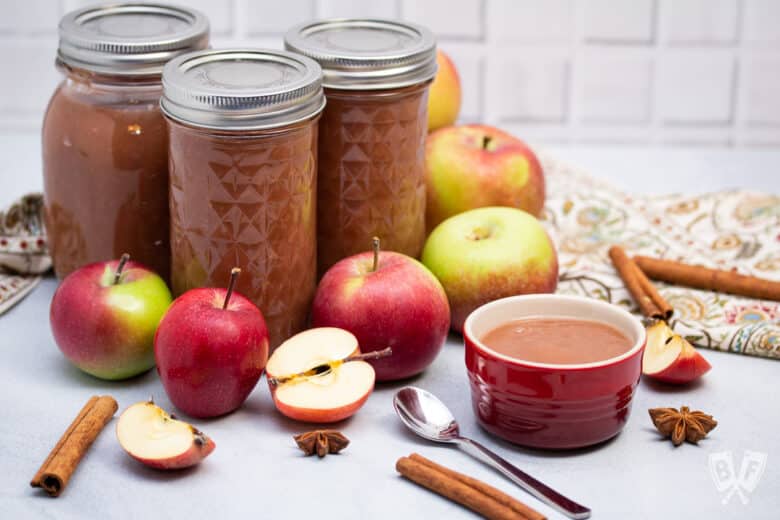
x,y
247,200
105,171
105,150
371,172
560,341
243,172
376,75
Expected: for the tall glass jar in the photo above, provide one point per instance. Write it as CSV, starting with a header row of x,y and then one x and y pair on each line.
x,y
376,75
243,163
105,158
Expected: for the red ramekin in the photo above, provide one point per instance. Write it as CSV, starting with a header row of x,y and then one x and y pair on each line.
x,y
545,405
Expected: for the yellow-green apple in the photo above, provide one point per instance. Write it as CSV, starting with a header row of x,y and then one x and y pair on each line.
x,y
211,348
670,358
329,395
474,166
104,315
152,436
489,253
444,94
386,299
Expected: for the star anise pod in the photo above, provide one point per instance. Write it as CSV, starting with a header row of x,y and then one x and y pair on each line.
x,y
683,424
321,442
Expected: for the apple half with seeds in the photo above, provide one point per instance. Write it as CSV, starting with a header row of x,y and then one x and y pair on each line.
x,y
671,358
334,390
152,436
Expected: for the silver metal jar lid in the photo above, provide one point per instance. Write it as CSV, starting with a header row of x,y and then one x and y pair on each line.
x,y
241,89
366,54
130,39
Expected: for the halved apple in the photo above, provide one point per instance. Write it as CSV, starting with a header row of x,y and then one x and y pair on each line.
x,y
670,358
329,396
152,436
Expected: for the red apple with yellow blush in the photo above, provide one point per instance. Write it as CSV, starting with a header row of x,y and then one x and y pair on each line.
x,y
474,166
104,316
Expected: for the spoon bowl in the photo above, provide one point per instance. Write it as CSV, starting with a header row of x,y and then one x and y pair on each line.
x,y
424,414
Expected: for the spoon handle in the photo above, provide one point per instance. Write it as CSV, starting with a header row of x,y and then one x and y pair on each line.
x,y
546,494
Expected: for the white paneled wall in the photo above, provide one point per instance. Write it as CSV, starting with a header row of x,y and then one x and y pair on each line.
x,y
565,71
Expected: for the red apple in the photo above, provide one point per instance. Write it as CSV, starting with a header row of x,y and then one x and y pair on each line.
x,y
328,395
152,436
670,358
104,315
444,95
211,348
386,300
473,166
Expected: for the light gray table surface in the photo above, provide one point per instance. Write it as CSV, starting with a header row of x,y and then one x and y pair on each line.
x,y
257,472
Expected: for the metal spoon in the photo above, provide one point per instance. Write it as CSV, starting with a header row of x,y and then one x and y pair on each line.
x,y
424,414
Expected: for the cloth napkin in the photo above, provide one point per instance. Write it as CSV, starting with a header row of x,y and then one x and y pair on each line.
x,y
23,253
724,230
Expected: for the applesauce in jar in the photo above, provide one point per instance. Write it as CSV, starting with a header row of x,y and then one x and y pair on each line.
x,y
105,159
376,75
242,129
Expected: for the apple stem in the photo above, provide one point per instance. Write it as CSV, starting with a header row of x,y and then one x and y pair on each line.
x,y
233,276
376,354
122,261
486,141
375,245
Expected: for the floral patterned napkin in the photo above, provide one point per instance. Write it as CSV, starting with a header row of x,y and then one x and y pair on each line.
x,y
23,253
725,230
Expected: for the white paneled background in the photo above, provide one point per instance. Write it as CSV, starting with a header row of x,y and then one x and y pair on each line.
x,y
552,71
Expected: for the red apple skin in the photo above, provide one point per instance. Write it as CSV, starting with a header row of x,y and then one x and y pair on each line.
x,y
462,173
688,366
320,416
209,359
200,449
108,330
400,305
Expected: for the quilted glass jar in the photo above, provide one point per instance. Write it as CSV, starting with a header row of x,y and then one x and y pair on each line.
x,y
242,129
376,75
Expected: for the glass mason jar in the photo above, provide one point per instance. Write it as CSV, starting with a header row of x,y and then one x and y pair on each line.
x,y
243,160
105,159
371,178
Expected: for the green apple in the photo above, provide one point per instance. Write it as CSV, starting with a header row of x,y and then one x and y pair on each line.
x,y
489,253
104,317
476,166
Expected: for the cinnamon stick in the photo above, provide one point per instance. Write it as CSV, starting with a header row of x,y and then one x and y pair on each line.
x,y
701,277
458,488
646,296
56,470
495,494
650,290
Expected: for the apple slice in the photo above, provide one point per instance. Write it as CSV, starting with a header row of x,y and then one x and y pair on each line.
x,y
670,358
330,396
150,435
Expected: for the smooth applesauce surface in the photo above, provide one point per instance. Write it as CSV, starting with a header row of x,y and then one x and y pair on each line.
x,y
560,341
